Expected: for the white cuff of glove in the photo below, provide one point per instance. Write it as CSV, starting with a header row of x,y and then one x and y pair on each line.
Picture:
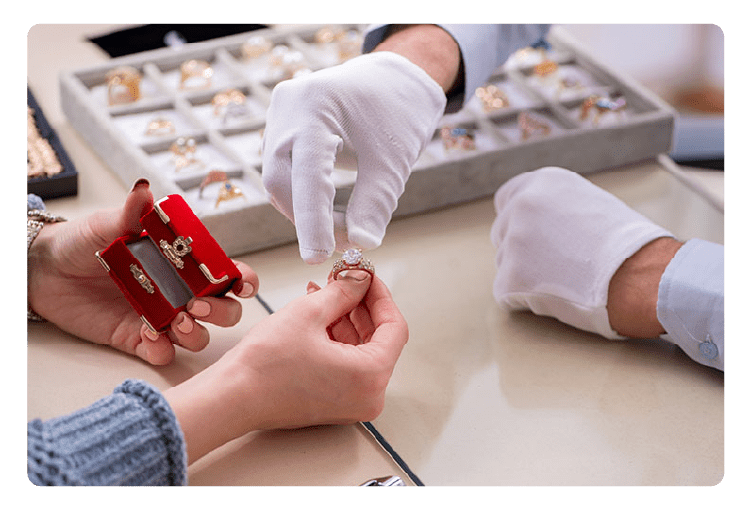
x,y
559,240
380,108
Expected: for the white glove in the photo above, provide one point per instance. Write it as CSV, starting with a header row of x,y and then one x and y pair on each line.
x,y
380,108
559,240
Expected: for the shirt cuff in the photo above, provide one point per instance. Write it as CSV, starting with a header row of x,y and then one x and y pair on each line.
x,y
691,301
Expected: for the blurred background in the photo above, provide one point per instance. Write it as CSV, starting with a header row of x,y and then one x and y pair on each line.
x,y
684,65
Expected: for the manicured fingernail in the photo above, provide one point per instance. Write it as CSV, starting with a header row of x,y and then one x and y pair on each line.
x,y
151,335
312,287
199,308
247,290
356,275
185,324
140,182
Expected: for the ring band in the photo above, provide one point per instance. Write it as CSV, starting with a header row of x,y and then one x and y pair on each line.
x,y
601,106
196,69
124,85
457,138
226,98
160,127
255,47
228,191
352,259
184,153
492,97
211,177
545,68
529,125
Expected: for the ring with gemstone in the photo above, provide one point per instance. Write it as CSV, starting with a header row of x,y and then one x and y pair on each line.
x,y
160,127
530,125
601,106
457,138
352,259
226,98
545,68
492,97
124,85
255,47
228,191
196,73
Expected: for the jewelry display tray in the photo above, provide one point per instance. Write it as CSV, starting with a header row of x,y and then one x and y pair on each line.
x,y
643,130
62,184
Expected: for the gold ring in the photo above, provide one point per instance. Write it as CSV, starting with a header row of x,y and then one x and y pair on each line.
x,y
352,259
492,97
529,125
328,35
255,46
276,57
457,137
601,106
226,97
183,153
211,177
124,85
196,69
160,127
183,146
228,191
545,68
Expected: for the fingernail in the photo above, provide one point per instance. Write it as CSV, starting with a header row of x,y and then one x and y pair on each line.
x,y
247,290
199,308
151,335
140,182
356,275
185,324
312,287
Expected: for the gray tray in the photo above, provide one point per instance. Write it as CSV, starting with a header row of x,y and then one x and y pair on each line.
x,y
440,178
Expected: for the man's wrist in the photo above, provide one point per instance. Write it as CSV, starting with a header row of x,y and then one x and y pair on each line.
x,y
634,289
428,46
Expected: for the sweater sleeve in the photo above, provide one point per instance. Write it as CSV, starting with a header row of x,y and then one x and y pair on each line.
x,y
131,437
691,301
484,48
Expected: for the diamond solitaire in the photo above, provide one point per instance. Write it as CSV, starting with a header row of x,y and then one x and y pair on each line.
x,y
352,259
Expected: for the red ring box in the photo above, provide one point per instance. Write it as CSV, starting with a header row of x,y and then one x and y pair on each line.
x,y
174,259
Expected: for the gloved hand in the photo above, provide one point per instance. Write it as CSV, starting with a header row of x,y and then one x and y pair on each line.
x,y
559,241
379,108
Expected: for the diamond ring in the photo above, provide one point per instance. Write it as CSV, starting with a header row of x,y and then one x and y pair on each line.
x,y
352,259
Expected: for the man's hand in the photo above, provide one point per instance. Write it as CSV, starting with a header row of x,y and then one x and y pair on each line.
x,y
380,110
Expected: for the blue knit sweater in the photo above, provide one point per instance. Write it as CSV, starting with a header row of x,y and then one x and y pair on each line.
x,y
131,437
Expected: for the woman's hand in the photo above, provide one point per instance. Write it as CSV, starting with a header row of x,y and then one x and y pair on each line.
x,y
326,358
68,287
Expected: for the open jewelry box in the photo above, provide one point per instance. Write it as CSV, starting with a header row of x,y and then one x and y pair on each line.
x,y
202,108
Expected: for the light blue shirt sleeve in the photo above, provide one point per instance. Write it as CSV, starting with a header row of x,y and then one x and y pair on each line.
x,y
484,48
691,301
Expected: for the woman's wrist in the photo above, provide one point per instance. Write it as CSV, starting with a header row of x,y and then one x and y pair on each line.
x,y
428,46
38,258
211,407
